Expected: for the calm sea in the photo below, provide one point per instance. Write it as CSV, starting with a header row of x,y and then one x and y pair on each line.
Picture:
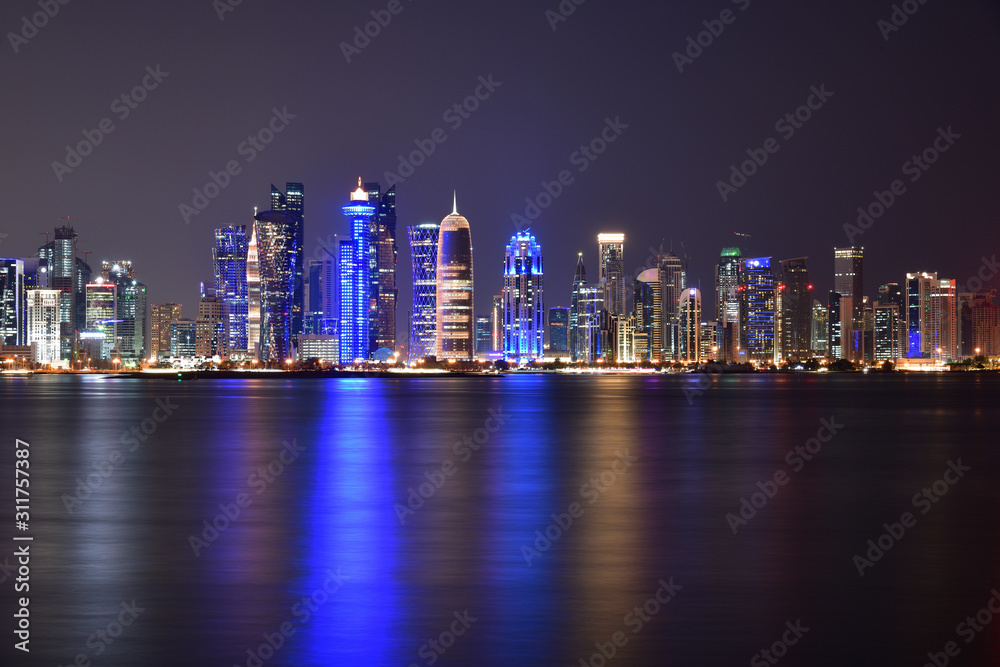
x,y
533,520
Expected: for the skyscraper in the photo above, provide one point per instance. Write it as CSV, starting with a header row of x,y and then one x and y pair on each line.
x,y
887,327
253,294
673,280
382,256
758,303
292,203
320,315
690,325
524,312
647,293
587,306
355,286
423,319
835,314
43,324
12,316
229,264
848,281
183,338
455,316
161,317
484,336
132,326
796,309
212,328
275,236
727,284
611,250
820,329
102,315
496,323
558,329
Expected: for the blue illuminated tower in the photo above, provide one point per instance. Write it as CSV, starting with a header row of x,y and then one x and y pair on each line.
x,y
292,203
229,264
274,233
758,304
523,309
354,280
423,319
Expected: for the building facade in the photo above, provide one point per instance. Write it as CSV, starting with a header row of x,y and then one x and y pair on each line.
x,y
455,305
423,318
523,299
229,266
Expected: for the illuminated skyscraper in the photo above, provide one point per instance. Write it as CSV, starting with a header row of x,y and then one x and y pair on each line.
x,y
212,328
673,280
275,236
183,337
484,337
887,327
423,319
820,338
101,314
382,255
758,301
321,315
355,286
649,315
455,316
496,323
587,304
292,203
12,316
835,317
796,309
848,281
558,329
43,324
161,317
253,294
727,283
229,263
132,315
524,312
690,325
611,250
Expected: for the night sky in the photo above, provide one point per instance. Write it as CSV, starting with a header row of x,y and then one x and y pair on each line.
x,y
607,60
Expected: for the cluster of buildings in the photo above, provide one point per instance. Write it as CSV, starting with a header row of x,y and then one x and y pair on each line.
x,y
266,305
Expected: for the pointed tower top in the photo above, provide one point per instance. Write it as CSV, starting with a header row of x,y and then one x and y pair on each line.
x,y
454,202
359,194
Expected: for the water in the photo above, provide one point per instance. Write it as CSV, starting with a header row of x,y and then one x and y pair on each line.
x,y
328,561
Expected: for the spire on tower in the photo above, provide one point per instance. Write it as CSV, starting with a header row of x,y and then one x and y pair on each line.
x,y
454,202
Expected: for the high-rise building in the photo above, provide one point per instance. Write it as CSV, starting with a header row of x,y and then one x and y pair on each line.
x,y
161,317
579,281
229,264
673,280
848,280
558,329
484,336
292,203
820,329
322,347
796,309
102,310
835,317
524,311
355,286
931,317
212,334
382,256
690,325
253,294
455,315
980,326
647,292
758,305
423,319
610,250
496,323
275,234
727,285
886,332
183,338
12,316
43,324
132,325
319,299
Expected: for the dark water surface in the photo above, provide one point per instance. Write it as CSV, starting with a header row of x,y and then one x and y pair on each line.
x,y
323,545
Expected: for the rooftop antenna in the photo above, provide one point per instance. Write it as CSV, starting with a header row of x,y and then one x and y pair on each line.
x,y
454,202
745,241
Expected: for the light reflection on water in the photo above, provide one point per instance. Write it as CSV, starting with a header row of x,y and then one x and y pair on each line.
x,y
367,442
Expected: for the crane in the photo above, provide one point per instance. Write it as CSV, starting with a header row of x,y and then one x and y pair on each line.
x,y
746,241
